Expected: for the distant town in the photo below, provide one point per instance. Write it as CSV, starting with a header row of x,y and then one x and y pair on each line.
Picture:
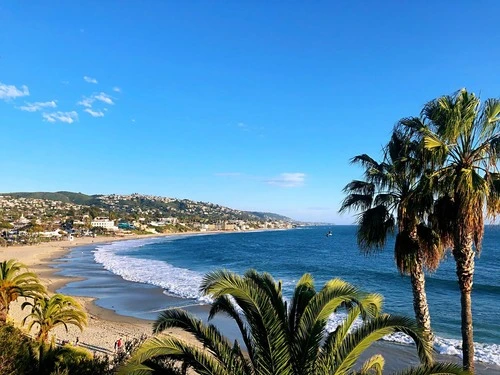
x,y
28,218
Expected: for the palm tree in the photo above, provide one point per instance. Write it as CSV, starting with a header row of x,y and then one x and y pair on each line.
x,y
394,187
48,313
463,137
281,338
16,281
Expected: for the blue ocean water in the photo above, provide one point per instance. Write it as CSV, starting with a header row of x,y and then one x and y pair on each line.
x,y
178,263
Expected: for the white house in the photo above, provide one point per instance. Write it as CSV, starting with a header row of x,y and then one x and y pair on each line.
x,y
103,223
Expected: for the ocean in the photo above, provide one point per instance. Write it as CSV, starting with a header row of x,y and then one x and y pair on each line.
x,y
124,276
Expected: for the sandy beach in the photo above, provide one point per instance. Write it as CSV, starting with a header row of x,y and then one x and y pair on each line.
x,y
105,326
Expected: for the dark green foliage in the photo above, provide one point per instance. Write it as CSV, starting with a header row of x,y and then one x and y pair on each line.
x,y
16,352
19,354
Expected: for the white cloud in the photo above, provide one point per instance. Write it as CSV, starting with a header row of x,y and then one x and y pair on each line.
x,y
33,107
86,102
67,117
8,92
117,89
89,79
288,180
94,113
103,97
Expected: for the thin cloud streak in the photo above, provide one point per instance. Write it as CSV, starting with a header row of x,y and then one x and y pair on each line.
x,y
67,117
94,113
37,106
90,79
288,180
105,98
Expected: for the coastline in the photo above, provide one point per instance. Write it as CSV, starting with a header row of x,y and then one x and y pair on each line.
x,y
105,326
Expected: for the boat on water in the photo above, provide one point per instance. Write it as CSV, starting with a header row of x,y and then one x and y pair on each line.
x,y
329,233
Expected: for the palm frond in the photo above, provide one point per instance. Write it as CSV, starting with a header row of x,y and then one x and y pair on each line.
x,y
201,361
356,202
208,335
373,366
365,161
436,369
374,225
373,330
269,333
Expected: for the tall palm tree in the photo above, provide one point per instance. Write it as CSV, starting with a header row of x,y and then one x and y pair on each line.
x,y
464,139
281,338
16,281
48,313
394,195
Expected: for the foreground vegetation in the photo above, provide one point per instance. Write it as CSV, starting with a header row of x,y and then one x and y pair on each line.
x,y
280,338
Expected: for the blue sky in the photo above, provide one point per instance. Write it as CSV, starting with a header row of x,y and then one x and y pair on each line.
x,y
256,105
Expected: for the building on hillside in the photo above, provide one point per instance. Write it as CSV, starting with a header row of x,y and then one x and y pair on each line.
x,y
227,226
103,223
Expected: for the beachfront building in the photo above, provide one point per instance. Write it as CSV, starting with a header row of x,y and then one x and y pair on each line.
x,y
103,223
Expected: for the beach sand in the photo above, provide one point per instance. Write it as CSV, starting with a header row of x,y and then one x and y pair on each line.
x,y
105,326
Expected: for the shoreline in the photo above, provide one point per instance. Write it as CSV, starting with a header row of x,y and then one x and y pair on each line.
x,y
105,326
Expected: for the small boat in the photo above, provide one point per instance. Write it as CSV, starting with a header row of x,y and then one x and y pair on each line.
x,y
329,234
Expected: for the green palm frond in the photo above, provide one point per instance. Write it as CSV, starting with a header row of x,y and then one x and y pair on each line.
x,y
309,331
304,292
436,369
359,187
269,333
493,201
201,361
365,161
406,250
372,330
208,335
58,310
356,202
375,224
373,366
224,305
16,281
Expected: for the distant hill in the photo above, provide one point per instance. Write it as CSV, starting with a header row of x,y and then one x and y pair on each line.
x,y
155,205
269,216
63,196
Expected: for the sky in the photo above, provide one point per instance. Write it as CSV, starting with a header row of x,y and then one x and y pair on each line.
x,y
254,105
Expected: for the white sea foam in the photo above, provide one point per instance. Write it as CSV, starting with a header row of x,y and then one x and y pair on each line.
x,y
486,353
176,281
184,283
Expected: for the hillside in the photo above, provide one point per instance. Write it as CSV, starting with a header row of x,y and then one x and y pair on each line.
x,y
153,206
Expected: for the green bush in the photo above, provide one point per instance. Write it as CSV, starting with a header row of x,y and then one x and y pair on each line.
x,y
19,354
16,352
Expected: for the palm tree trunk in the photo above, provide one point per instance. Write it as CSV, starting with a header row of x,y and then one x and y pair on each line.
x,y
420,305
464,258
3,315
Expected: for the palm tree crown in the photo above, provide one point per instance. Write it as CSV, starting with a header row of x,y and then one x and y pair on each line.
x,y
16,281
392,195
281,338
48,313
